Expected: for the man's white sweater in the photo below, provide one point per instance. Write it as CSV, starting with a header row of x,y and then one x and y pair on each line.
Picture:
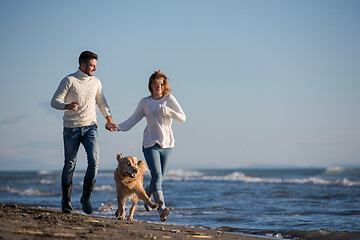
x,y
159,115
85,89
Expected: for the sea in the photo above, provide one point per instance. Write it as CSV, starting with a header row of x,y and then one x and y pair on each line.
x,y
311,203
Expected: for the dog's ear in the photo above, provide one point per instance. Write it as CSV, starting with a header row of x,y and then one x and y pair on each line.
x,y
119,157
134,159
142,166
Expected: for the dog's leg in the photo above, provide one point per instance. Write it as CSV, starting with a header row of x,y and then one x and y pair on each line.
x,y
144,197
132,209
120,213
148,192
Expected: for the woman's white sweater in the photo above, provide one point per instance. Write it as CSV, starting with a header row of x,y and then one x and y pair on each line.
x,y
85,89
159,115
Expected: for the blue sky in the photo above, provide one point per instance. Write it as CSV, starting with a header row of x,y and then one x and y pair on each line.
x,y
262,83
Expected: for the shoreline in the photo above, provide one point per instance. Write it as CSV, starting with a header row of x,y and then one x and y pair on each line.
x,y
30,222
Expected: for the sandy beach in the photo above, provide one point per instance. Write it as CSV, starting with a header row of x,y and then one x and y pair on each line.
x,y
26,222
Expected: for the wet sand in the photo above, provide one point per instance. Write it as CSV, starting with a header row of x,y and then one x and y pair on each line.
x,y
27,222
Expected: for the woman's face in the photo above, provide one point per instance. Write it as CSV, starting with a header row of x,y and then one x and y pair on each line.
x,y
157,87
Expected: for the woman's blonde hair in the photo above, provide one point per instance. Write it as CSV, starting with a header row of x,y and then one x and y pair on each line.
x,y
159,75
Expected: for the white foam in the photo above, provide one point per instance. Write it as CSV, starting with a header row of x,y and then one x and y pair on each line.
x,y
44,172
29,192
239,176
105,174
348,182
107,208
334,170
104,188
181,174
188,175
314,180
47,182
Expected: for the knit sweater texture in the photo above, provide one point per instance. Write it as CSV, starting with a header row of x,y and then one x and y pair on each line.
x,y
159,115
85,89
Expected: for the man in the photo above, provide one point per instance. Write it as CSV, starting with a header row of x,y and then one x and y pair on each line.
x,y
77,95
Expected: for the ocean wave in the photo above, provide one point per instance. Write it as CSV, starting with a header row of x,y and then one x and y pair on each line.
x,y
44,172
323,234
319,234
314,180
189,175
181,175
348,182
104,188
29,192
47,182
104,174
342,170
334,170
239,176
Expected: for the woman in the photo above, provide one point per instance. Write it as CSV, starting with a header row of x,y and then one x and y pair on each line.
x,y
159,109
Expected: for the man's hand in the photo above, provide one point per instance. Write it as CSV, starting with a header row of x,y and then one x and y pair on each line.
x,y
72,106
110,125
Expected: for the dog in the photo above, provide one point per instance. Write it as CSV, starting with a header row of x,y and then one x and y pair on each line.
x,y
129,184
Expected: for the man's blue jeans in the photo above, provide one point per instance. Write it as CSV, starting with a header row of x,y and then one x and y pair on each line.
x,y
88,136
157,161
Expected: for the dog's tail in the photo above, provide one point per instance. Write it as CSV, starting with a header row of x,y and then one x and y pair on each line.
x,y
142,166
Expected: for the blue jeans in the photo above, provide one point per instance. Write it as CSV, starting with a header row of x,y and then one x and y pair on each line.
x,y
88,136
157,160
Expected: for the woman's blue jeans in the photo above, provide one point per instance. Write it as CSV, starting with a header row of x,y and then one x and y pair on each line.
x,y
157,160
88,137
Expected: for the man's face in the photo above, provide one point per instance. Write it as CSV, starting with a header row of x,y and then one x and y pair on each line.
x,y
89,68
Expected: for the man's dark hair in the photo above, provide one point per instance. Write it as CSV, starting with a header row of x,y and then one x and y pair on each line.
x,y
86,56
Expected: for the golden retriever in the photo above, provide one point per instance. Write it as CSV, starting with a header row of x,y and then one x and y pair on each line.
x,y
129,184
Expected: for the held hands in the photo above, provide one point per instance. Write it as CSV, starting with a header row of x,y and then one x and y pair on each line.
x,y
110,125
